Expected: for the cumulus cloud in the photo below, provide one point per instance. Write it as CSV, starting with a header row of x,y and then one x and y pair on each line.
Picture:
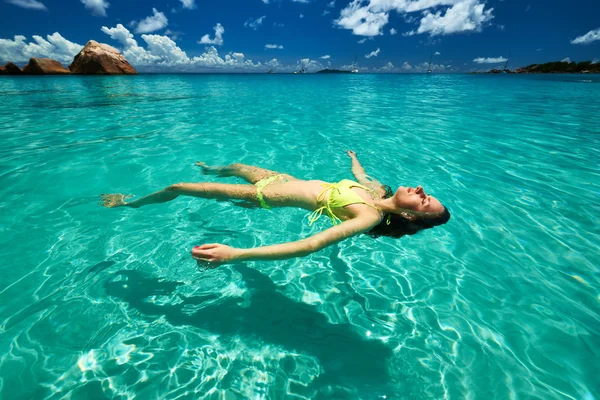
x,y
218,40
189,4
439,17
589,37
54,46
373,53
155,22
406,67
254,24
490,60
301,16
393,31
31,4
361,19
97,7
325,57
273,46
437,53
162,53
308,65
466,16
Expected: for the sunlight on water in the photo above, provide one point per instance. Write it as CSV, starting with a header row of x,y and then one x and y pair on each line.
x,y
502,302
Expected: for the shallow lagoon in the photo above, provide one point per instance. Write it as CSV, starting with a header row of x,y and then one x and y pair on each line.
x,y
502,301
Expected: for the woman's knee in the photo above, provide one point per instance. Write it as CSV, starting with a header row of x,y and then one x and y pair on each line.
x,y
237,167
177,187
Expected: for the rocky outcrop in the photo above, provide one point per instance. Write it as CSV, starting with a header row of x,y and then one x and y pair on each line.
x,y
44,66
3,71
12,69
561,67
100,59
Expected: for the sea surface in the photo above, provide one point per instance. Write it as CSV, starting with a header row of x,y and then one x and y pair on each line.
x,y
503,302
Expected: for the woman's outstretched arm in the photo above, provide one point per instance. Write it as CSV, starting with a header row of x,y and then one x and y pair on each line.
x,y
219,254
361,176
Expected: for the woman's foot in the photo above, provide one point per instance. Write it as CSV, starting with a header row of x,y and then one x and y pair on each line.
x,y
206,170
113,200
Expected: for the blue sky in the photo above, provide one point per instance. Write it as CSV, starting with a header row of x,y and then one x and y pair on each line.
x,y
258,35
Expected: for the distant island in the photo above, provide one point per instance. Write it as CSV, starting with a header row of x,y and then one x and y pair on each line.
x,y
556,67
333,71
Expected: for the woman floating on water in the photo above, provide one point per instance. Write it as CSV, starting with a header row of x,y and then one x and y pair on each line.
x,y
365,206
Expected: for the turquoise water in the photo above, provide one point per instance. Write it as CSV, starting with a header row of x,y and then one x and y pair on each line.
x,y
502,302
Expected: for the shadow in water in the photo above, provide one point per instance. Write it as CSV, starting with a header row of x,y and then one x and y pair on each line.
x,y
346,357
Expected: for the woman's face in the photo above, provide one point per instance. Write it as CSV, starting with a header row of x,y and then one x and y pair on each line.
x,y
416,199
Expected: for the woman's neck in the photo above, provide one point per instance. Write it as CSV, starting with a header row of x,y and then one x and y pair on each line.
x,y
385,205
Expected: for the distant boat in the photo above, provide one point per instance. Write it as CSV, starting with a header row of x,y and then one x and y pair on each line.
x,y
355,65
504,71
302,70
430,60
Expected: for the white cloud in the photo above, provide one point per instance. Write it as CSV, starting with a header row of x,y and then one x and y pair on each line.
x,y
490,60
31,4
301,1
373,53
152,23
254,24
361,19
189,4
595,61
325,57
325,12
54,46
368,17
393,31
97,7
301,16
162,53
466,16
265,1
568,60
218,40
408,68
331,4
273,46
309,65
437,53
589,37
121,35
173,34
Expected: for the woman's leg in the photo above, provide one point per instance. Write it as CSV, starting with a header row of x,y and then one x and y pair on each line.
x,y
220,191
249,173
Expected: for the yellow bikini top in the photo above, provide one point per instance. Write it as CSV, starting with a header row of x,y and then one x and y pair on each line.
x,y
340,195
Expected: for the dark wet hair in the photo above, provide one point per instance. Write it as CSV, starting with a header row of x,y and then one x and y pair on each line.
x,y
395,225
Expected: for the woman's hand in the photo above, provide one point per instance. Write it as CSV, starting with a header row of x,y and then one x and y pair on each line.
x,y
351,153
214,253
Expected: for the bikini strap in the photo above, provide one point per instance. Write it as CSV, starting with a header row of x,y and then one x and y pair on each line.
x,y
315,215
